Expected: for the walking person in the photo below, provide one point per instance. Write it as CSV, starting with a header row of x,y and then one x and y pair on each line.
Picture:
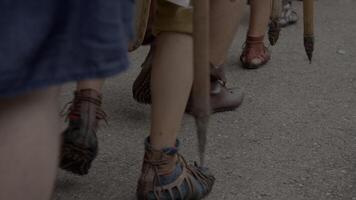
x,y
44,44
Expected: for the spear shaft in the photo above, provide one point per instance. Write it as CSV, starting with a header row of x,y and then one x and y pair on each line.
x,y
201,86
308,11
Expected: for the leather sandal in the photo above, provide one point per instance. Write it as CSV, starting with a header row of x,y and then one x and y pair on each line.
x,y
165,175
222,98
255,54
80,144
288,16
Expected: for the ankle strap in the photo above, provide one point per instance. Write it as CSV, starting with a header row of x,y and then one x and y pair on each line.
x,y
89,96
217,74
255,40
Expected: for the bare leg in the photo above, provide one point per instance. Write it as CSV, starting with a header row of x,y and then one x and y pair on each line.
x,y
171,81
172,70
259,17
29,145
96,84
172,77
225,17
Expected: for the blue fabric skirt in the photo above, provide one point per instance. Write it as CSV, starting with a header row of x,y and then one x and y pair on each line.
x,y
50,42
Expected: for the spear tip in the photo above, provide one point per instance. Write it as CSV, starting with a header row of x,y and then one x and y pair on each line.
x,y
274,31
309,46
310,57
202,129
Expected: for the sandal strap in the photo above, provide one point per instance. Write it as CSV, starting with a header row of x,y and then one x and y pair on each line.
x,y
217,78
183,177
252,41
86,96
190,175
158,164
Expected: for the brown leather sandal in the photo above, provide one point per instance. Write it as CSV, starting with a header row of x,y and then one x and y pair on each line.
x,y
167,176
222,98
255,54
80,144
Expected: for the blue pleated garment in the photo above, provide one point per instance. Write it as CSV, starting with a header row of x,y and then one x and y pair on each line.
x,y
50,42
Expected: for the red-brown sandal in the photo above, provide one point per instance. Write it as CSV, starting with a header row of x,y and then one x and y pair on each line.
x,y
255,54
